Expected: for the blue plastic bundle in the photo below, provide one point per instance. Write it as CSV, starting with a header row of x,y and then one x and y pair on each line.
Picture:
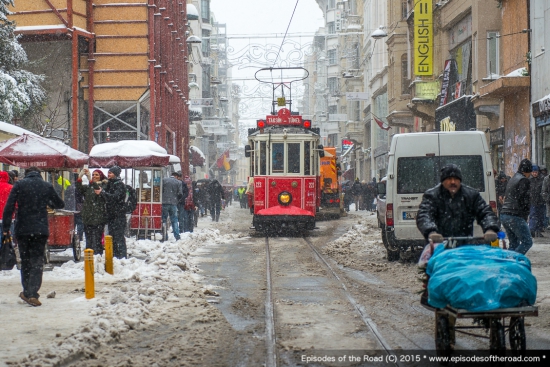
x,y
480,278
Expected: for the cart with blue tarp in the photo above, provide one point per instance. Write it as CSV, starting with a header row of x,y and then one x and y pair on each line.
x,y
492,286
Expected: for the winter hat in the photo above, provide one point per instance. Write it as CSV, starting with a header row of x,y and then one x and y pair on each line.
x,y
450,170
101,174
535,167
525,166
115,170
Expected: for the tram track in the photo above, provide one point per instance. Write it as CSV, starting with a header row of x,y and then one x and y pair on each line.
x,y
273,327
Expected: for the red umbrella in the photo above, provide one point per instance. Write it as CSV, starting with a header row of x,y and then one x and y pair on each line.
x,y
33,150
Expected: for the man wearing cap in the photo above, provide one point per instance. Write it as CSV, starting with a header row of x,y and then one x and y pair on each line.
x,y
115,200
515,209
450,208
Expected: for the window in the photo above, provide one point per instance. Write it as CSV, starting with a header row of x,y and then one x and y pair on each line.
x,y
493,59
205,44
333,86
332,57
307,158
405,81
205,11
277,157
330,27
262,162
331,4
417,174
293,158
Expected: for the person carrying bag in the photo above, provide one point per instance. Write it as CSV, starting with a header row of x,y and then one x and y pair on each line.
x,y
7,254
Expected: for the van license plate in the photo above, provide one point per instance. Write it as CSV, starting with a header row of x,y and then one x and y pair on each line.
x,y
409,215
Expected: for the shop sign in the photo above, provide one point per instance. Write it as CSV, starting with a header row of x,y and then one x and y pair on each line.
x,y
445,84
426,90
497,136
423,37
346,144
338,21
542,106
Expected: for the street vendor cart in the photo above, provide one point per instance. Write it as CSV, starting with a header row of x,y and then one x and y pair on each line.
x,y
144,164
491,286
56,160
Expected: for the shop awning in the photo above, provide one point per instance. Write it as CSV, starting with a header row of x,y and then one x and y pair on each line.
x,y
349,174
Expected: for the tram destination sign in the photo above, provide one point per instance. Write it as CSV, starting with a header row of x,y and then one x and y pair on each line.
x,y
284,117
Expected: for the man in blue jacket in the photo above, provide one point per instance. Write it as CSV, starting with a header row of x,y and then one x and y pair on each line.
x,y
32,195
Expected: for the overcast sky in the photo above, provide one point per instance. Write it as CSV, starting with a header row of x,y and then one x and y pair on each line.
x,y
247,19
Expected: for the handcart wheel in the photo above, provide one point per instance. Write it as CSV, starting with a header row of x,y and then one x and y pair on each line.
x,y
516,334
497,339
442,336
77,248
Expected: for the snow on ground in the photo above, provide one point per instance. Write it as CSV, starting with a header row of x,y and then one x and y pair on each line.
x,y
123,301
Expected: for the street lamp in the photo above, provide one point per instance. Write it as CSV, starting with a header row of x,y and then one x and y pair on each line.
x,y
379,33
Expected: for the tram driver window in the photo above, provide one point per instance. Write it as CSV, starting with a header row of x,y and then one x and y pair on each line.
x,y
307,158
278,157
263,164
293,158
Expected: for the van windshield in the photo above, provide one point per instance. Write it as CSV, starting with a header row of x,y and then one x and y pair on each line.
x,y
418,174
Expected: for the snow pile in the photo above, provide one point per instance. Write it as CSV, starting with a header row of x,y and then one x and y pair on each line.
x,y
154,275
357,240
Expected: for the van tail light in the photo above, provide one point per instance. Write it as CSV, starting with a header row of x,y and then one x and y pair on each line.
x,y
493,205
389,215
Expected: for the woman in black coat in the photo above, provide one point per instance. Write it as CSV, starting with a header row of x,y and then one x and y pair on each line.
x,y
94,214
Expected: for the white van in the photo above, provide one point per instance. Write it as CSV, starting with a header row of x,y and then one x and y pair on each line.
x,y
414,165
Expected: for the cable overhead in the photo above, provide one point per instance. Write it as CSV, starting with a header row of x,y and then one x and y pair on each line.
x,y
286,32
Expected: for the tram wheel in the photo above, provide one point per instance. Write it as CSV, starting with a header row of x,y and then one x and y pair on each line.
x,y
77,248
497,339
442,336
516,334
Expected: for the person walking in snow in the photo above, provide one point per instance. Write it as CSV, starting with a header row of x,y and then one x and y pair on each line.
x,y
171,194
215,192
114,194
32,196
94,214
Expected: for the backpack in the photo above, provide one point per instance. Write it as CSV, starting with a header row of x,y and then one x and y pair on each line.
x,y
131,199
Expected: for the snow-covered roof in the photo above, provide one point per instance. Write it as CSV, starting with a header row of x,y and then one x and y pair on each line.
x,y
40,27
129,153
12,129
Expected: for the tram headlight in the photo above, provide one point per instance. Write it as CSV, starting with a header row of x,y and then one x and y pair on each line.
x,y
285,198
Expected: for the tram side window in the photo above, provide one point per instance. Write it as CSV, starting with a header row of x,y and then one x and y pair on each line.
x,y
294,160
263,158
307,158
278,154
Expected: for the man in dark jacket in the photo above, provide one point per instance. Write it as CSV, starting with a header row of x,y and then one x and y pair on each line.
x,y
538,207
32,195
450,208
515,209
216,194
115,200
500,187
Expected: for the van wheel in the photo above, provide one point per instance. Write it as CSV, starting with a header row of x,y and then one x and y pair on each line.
x,y
392,252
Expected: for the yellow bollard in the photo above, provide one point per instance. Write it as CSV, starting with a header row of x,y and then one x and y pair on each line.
x,y
109,254
89,273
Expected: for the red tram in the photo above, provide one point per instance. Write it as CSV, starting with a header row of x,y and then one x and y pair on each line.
x,y
284,156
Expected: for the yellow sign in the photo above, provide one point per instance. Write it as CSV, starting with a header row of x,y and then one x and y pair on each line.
x,y
423,38
281,101
447,125
427,90
145,211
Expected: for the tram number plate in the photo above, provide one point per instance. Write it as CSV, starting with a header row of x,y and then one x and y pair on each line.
x,y
409,215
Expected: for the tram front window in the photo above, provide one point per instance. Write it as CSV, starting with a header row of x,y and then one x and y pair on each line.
x,y
294,160
278,160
